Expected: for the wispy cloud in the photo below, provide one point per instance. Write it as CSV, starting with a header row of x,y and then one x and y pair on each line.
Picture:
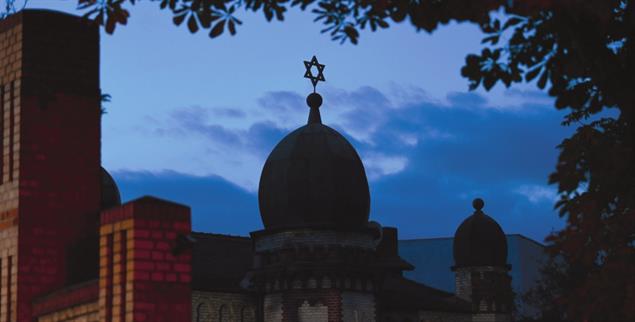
x,y
217,204
229,112
537,193
378,165
466,100
425,159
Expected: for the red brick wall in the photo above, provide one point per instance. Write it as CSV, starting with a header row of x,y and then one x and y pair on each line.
x,y
141,278
50,124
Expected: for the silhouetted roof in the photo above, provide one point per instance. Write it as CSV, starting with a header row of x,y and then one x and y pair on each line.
x,y
220,262
110,196
479,241
314,177
399,293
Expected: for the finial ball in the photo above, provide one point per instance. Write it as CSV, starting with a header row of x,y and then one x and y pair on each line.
x,y
478,204
314,100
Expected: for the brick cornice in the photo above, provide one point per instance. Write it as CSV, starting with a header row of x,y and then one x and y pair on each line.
x,y
65,298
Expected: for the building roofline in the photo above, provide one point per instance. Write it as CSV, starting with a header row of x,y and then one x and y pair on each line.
x,y
200,234
430,238
529,239
444,238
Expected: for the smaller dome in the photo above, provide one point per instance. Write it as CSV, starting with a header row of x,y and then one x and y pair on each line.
x,y
109,192
479,240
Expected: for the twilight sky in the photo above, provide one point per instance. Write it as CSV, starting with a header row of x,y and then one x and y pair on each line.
x,y
192,119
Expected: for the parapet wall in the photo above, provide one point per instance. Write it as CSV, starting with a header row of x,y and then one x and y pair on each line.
x,y
145,274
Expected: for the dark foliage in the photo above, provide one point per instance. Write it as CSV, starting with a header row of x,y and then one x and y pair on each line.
x,y
11,7
555,280
582,51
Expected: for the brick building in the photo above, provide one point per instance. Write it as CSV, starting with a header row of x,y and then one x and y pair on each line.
x,y
70,251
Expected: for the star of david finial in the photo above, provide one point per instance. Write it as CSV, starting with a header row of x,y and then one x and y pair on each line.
x,y
309,74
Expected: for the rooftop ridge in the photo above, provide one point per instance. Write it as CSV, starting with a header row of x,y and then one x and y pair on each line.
x,y
439,238
212,235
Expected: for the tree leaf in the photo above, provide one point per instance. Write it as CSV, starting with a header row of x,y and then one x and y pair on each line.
x,y
492,39
178,19
218,29
110,25
532,73
542,82
489,82
192,25
511,22
232,27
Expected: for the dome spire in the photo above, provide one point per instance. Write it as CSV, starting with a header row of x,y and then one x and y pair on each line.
x,y
314,178
478,205
314,100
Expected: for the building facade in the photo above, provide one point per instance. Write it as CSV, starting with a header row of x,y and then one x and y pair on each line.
x,y
70,251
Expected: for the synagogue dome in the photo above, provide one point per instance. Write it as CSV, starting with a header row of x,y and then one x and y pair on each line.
x,y
314,178
109,191
479,240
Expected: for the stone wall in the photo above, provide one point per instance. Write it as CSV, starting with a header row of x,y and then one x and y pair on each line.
x,y
491,317
488,287
435,316
463,283
223,307
330,279
309,238
358,307
272,307
316,312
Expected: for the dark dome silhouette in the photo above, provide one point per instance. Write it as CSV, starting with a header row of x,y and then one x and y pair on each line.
x,y
479,240
314,178
109,192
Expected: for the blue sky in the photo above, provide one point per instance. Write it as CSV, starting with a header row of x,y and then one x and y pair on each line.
x,y
192,119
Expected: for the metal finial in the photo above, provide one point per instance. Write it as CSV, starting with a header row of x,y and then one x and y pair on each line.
x,y
314,100
478,204
309,74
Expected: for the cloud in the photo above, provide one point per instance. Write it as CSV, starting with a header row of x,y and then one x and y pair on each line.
x,y
466,100
259,137
425,159
217,205
360,112
281,101
229,112
378,165
528,95
537,193
287,109
195,119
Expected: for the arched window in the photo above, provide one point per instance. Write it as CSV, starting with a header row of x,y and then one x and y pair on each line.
x,y
223,313
202,313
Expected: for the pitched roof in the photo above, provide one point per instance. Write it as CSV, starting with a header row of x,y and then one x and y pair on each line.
x,y
220,262
399,293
